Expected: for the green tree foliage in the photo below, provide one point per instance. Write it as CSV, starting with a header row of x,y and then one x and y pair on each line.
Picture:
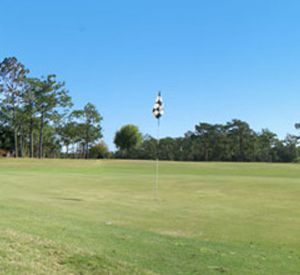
x,y
286,151
99,151
6,138
88,123
68,133
50,97
147,149
127,139
36,121
297,126
233,141
34,110
12,86
265,144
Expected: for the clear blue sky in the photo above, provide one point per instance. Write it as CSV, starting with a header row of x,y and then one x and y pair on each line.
x,y
213,60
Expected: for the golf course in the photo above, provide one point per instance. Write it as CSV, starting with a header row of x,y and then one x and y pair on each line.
x,y
103,217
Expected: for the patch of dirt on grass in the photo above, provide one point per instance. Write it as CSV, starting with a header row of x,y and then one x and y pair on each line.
x,y
22,253
94,264
173,233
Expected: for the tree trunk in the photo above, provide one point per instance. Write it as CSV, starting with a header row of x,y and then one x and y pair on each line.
x,y
41,136
87,150
87,140
206,152
31,139
15,128
242,154
21,145
16,143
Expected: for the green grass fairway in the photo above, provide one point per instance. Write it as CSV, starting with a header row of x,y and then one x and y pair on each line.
x,y
100,217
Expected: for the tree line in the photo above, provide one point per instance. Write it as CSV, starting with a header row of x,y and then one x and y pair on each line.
x,y
37,120
36,116
234,141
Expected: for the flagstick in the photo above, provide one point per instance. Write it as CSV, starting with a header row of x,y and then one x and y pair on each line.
x,y
157,161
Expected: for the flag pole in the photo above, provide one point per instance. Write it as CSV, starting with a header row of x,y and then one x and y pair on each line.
x,y
157,111
157,159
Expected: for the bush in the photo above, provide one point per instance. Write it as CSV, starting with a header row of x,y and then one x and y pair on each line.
x,y
100,151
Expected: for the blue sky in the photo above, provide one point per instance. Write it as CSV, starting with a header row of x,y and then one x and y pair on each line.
x,y
213,60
